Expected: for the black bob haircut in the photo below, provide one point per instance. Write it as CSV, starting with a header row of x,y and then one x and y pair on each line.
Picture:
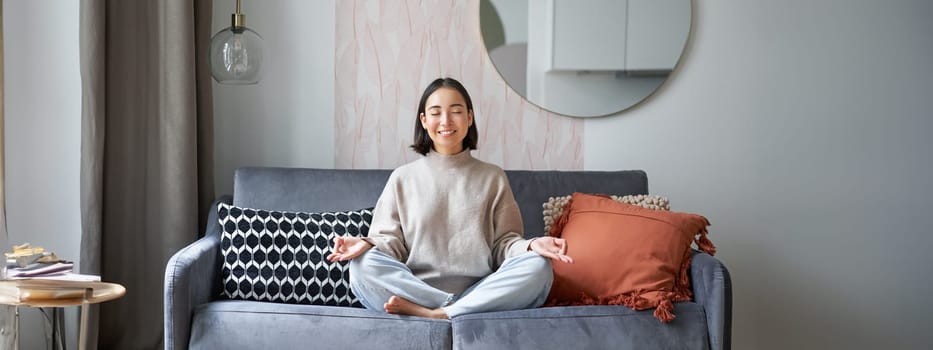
x,y
423,143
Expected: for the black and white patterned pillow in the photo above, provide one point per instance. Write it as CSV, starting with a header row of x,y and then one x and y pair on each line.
x,y
281,256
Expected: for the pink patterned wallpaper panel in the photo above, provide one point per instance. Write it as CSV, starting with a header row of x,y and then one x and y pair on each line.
x,y
388,51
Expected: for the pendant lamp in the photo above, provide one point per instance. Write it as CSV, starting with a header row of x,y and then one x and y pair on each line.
x,y
236,53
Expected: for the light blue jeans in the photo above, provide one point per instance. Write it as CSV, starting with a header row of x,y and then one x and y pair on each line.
x,y
521,282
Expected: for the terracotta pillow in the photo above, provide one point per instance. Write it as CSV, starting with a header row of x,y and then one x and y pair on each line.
x,y
625,255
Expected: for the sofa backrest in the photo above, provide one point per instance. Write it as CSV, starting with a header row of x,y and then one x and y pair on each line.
x,y
307,190
313,190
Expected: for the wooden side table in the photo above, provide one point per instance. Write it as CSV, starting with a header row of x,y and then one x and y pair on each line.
x,y
46,294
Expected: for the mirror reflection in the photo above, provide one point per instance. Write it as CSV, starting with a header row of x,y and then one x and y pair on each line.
x,y
585,58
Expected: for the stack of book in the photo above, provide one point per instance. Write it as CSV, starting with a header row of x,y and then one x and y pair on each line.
x,y
61,270
39,269
27,262
40,284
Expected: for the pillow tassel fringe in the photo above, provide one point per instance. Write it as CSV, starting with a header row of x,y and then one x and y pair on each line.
x,y
703,241
665,311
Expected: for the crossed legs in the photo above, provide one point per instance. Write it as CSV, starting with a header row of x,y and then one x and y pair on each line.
x,y
383,283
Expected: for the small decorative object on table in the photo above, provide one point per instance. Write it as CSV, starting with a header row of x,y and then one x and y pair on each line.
x,y
26,261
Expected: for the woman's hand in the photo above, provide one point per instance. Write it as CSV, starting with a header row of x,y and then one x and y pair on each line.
x,y
550,247
347,248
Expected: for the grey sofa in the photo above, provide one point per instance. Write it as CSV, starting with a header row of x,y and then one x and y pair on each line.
x,y
197,317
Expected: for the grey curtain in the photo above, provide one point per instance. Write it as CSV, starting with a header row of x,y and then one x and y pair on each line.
x,y
146,153
7,340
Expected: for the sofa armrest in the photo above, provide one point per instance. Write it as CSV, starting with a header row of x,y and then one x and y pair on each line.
x,y
712,288
192,278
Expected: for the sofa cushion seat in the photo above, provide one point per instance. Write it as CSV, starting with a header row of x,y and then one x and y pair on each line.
x,y
582,327
241,324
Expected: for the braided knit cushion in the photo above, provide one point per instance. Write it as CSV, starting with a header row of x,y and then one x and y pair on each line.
x,y
555,205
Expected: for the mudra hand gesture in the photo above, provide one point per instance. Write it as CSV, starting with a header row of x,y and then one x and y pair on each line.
x,y
550,247
347,248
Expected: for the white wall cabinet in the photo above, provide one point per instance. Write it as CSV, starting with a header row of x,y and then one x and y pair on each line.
x,y
617,35
589,34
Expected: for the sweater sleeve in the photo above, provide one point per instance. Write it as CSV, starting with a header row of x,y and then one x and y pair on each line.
x,y
385,231
508,226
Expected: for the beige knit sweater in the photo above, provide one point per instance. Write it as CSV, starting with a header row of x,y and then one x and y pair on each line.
x,y
451,219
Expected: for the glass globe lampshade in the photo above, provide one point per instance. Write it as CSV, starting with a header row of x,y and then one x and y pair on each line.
x,y
236,53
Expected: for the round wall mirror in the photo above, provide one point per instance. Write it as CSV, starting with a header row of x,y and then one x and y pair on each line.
x,y
585,58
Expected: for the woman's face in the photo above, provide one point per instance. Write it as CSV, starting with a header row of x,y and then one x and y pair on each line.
x,y
446,120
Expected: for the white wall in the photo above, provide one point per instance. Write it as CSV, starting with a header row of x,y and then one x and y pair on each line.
x,y
287,119
801,129
42,110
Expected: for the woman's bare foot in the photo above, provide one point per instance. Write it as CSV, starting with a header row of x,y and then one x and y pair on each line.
x,y
401,306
